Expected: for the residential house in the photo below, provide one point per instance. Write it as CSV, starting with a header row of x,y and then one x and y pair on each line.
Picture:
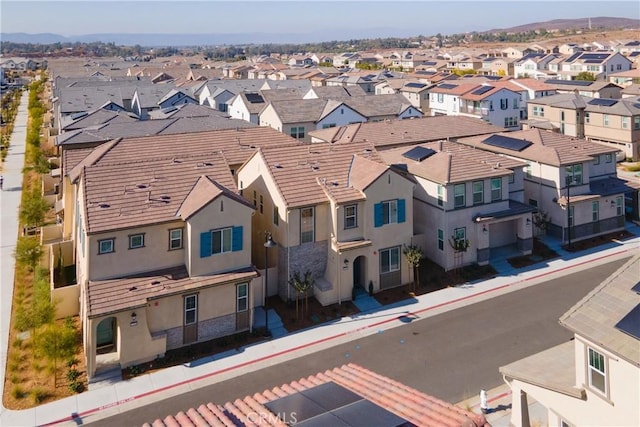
x,y
300,60
572,181
417,93
163,254
350,394
497,66
632,91
248,105
497,105
600,64
366,80
333,92
217,93
335,211
467,202
593,89
157,97
593,379
518,52
612,122
93,118
625,78
534,65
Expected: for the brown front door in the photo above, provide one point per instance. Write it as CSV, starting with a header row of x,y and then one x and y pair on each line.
x,y
190,332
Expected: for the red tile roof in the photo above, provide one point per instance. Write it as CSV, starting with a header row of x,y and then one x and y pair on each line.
x,y
415,407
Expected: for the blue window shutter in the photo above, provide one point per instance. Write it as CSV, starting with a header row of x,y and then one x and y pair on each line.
x,y
236,239
205,244
377,215
401,210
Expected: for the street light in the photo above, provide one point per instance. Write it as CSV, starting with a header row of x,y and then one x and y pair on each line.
x,y
269,243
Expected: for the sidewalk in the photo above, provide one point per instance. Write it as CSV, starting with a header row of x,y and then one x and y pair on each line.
x,y
120,396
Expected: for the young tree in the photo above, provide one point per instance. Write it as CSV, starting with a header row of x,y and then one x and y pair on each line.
x,y
33,209
54,342
28,251
541,222
414,254
302,284
459,246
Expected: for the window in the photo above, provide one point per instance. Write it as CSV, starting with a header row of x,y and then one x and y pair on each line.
x,y
106,246
607,158
527,170
562,116
441,240
515,103
458,195
596,160
190,309
625,122
255,199
327,126
297,132
504,104
605,120
597,373
307,225
389,212
276,216
619,206
510,122
261,204
478,192
538,111
636,122
350,216
496,189
136,241
573,174
440,97
242,297
440,198
389,260
595,209
460,233
512,178
175,239
221,241
587,117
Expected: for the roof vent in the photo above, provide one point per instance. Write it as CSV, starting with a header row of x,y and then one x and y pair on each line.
x,y
104,205
155,282
141,186
165,197
133,288
315,167
277,166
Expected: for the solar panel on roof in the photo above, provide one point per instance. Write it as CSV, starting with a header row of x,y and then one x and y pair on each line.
x,y
593,61
603,102
416,85
447,86
506,142
574,57
569,82
419,153
599,56
630,324
492,77
254,98
482,90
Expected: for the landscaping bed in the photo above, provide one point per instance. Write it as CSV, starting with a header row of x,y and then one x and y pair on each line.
x,y
540,252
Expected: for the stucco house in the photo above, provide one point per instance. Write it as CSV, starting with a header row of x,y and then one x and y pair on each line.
x,y
571,180
594,89
593,379
163,256
468,195
335,210
599,63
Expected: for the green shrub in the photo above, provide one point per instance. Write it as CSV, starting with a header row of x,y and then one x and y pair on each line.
x,y
76,387
14,378
73,374
17,392
38,394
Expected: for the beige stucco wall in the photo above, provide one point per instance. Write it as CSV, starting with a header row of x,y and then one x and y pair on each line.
x,y
269,117
221,212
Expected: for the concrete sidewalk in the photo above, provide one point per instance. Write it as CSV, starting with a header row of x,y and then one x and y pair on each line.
x,y
121,396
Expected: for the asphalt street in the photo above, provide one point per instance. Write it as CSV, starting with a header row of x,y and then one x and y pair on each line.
x,y
451,355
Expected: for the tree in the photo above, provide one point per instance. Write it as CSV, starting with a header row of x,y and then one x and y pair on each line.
x,y
459,246
414,254
302,285
585,75
54,342
28,251
541,222
33,209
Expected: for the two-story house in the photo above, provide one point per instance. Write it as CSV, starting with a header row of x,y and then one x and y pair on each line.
x,y
571,180
334,210
594,89
593,379
598,63
472,196
163,255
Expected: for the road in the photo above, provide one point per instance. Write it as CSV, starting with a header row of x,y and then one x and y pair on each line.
x,y
452,355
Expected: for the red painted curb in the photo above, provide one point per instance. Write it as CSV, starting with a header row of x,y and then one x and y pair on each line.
x,y
342,334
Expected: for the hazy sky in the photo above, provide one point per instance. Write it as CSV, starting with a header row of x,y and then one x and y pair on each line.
x,y
212,16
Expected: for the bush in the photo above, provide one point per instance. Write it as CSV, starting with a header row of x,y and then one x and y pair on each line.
x,y
73,375
38,394
76,387
17,392
28,252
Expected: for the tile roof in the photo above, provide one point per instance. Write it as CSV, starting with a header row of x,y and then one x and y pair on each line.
x,y
595,316
105,297
404,132
304,173
375,390
562,100
546,147
378,105
203,192
97,117
451,163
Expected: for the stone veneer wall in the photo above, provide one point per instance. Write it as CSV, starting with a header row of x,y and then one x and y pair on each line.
x,y
207,330
306,257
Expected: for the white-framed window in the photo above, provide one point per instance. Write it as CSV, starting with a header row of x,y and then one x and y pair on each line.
x,y
619,209
512,178
460,233
440,239
587,117
478,192
307,225
538,111
636,122
573,174
190,309
496,189
389,260
136,241
625,122
605,120
595,211
328,125
175,239
440,195
106,246
510,122
440,97
597,371
596,160
389,212
459,195
221,240
297,132
350,216
607,158
527,170
242,297
255,199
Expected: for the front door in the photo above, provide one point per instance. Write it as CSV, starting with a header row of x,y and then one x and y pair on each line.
x,y
358,272
105,341
190,332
